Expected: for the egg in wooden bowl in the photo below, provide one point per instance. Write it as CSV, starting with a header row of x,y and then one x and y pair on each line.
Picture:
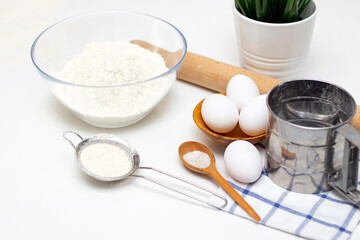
x,y
223,138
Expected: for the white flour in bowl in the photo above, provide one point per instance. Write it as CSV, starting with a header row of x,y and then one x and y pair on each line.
x,y
111,64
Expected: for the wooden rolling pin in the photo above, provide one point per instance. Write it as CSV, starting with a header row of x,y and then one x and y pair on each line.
x,y
215,75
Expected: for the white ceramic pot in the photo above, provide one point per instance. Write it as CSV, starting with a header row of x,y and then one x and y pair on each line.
x,y
274,49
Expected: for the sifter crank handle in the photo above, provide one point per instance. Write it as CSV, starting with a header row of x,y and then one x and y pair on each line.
x,y
347,179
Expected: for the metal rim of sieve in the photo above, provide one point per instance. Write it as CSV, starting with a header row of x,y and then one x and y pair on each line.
x,y
108,139
284,84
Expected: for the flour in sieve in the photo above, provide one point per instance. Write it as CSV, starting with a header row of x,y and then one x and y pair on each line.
x,y
106,160
111,64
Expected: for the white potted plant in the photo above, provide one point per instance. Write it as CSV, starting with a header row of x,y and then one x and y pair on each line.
x,y
274,36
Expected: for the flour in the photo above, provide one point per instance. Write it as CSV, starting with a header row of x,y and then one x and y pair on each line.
x,y
111,64
106,160
197,159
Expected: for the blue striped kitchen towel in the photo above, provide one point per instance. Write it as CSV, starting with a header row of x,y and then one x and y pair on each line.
x,y
314,216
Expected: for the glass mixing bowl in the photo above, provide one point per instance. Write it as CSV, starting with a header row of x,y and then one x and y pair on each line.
x,y
117,105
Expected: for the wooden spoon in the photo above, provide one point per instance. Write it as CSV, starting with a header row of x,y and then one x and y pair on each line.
x,y
212,172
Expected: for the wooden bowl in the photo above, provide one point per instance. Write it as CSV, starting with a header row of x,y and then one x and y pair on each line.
x,y
223,138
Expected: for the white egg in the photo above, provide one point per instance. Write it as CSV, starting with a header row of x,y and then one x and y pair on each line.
x,y
219,113
243,161
241,89
254,116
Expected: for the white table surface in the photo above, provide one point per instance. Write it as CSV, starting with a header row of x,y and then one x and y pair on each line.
x,y
44,195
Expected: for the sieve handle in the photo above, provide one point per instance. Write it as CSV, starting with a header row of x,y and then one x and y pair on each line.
x,y
182,192
347,179
67,134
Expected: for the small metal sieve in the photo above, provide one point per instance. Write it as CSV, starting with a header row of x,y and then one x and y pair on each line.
x,y
135,162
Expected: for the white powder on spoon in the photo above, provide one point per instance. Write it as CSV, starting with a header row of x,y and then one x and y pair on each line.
x,y
106,160
197,159
111,64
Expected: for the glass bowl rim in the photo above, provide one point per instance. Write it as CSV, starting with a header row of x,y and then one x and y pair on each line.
x,y
53,79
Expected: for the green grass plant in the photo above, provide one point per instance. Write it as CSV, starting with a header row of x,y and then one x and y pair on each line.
x,y
272,11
